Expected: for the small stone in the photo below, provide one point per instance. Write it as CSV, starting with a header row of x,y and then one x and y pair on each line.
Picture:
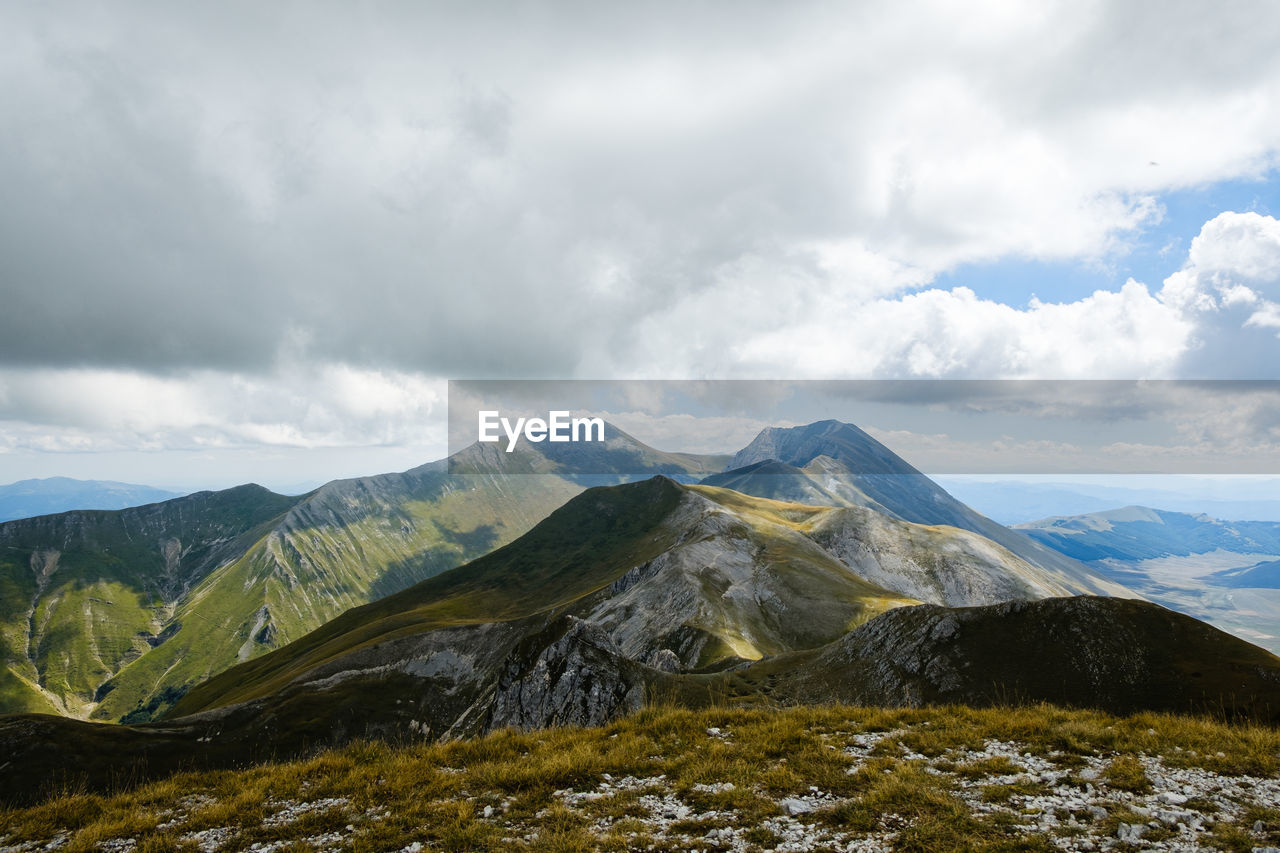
x,y
1130,831
1172,798
794,807
488,811
1259,826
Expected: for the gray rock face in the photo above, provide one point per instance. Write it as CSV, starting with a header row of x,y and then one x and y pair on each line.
x,y
580,679
1115,654
665,660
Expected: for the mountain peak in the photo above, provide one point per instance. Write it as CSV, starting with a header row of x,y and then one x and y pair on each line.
x,y
838,440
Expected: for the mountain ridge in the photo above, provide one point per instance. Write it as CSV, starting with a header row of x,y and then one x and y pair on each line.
x,y
339,546
51,495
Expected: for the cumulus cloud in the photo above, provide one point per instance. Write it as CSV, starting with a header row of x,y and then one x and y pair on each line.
x,y
1230,289
425,188
299,407
238,224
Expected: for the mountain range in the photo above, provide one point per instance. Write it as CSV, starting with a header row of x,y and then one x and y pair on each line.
x,y
27,498
491,590
1224,572
691,594
111,614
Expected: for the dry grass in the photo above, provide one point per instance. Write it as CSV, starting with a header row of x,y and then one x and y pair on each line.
x,y
730,767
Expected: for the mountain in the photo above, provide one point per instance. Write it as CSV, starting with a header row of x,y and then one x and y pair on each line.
x,y
85,593
27,498
290,566
1218,571
689,594
1014,502
837,463
1264,575
662,575
1135,533
1120,655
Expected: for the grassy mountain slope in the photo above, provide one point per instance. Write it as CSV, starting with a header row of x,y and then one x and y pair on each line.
x,y
86,592
352,542
694,576
310,558
838,464
830,778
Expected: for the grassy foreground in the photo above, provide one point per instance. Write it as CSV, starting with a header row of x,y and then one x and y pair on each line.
x,y
835,778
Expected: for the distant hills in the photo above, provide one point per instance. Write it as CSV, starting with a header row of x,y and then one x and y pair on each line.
x,y
27,498
1224,572
1135,533
1014,502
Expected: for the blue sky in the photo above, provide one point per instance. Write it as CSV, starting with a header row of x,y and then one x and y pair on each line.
x,y
1148,256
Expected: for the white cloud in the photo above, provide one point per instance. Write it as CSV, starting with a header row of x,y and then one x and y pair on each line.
x,y
433,190
314,406
1229,288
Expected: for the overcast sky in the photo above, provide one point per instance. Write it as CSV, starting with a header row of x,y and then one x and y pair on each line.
x,y
250,241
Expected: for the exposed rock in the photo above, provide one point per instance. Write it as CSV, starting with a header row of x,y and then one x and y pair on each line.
x,y
580,679
665,660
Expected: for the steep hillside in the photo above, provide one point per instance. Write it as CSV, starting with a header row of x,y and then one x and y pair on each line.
x,y
85,593
839,464
347,543
1117,654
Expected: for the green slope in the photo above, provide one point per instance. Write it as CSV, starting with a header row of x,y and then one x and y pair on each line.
x,y
114,614
84,593
578,549
349,544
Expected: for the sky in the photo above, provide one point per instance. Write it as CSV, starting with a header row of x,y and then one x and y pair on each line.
x,y
247,241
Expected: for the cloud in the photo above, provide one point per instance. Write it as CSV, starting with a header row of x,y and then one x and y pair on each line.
x,y
427,189
237,225
299,407
1230,288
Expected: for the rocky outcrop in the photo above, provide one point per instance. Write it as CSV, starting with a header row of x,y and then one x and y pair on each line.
x,y
580,679
1119,655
